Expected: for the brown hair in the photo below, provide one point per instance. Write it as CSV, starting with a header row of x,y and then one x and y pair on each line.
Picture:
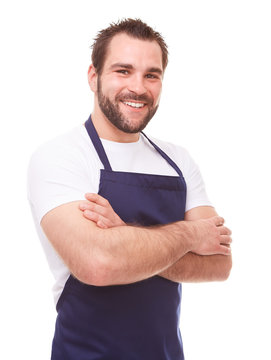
x,y
132,27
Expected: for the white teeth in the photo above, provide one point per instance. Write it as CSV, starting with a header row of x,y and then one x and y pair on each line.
x,y
136,105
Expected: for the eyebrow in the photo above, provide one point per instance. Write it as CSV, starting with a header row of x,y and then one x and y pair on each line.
x,y
130,67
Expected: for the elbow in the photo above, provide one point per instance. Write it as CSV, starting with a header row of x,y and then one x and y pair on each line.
x,y
98,272
225,270
101,275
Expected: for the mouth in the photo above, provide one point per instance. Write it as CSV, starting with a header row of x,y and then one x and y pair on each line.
x,y
134,105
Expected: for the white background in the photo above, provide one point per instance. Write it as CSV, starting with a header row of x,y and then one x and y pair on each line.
x,y
215,102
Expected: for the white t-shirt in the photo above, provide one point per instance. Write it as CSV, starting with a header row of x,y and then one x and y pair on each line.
x,y
67,167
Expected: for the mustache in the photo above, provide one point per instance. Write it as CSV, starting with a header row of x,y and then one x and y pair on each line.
x,y
131,96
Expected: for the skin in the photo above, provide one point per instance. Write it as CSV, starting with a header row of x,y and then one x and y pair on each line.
x,y
191,267
126,254
104,251
133,68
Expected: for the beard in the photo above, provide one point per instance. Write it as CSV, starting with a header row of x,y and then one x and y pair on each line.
x,y
113,113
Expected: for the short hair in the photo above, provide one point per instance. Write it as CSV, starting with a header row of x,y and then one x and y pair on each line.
x,y
132,27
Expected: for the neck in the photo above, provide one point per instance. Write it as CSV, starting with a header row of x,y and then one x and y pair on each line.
x,y
106,130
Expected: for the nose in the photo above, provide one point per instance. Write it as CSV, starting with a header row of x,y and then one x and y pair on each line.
x,y
137,84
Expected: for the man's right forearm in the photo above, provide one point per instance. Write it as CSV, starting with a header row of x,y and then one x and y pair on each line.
x,y
118,255
126,254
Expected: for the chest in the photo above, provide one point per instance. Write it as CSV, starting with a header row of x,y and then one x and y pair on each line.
x,y
137,158
144,199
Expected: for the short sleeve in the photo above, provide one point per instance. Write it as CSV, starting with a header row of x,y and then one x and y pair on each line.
x,y
56,175
196,192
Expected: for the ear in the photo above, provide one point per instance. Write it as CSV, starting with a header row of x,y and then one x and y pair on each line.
x,y
92,78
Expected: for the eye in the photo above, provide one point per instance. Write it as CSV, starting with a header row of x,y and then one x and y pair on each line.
x,y
122,71
151,76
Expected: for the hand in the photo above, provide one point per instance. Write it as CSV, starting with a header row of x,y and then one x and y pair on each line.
x,y
211,236
99,210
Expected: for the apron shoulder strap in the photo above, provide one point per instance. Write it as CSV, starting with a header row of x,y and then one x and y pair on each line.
x,y
165,156
102,154
97,143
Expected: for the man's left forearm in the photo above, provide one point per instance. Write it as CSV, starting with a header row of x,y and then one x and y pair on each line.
x,y
197,268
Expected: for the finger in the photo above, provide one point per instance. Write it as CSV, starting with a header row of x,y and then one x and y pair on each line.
x,y
224,230
85,204
218,220
91,206
98,199
224,250
101,224
90,215
226,239
97,218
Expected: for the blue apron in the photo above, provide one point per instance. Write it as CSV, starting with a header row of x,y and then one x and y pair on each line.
x,y
138,321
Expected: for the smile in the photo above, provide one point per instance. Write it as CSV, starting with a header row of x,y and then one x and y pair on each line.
x,y
133,104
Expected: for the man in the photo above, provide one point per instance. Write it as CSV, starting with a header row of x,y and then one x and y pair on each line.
x,y
119,257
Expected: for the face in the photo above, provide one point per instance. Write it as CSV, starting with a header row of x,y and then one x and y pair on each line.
x,y
129,87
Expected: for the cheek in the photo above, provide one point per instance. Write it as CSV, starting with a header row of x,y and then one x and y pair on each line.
x,y
157,94
113,87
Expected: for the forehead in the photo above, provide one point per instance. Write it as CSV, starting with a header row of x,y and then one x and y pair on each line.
x,y
137,52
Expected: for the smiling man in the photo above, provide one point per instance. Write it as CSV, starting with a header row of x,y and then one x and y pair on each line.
x,y
128,92
120,256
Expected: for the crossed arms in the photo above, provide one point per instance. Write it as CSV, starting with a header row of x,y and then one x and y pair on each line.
x,y
99,249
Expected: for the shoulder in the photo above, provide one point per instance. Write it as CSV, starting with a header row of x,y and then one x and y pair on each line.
x,y
71,142
61,170
72,149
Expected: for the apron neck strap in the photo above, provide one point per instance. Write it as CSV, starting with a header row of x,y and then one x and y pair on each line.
x,y
102,154
165,156
97,143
